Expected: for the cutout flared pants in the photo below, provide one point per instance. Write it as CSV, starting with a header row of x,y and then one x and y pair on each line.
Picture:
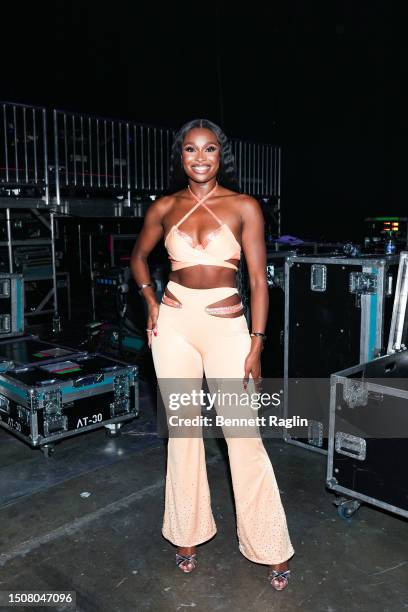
x,y
191,342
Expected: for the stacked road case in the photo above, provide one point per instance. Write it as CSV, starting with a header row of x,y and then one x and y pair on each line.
x,y
337,313
368,429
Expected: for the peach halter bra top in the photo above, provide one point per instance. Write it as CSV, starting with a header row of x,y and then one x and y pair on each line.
x,y
220,244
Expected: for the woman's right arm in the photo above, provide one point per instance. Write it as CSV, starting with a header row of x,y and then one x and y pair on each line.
x,y
152,231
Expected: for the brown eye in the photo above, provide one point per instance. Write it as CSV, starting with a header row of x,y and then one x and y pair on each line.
x,y
189,149
211,149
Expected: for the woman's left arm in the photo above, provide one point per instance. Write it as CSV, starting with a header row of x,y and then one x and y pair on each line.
x,y
254,249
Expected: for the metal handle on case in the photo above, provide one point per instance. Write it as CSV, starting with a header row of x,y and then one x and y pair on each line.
x,y
88,380
45,383
5,288
390,282
352,446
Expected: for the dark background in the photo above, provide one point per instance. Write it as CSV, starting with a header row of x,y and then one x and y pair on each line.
x,y
323,79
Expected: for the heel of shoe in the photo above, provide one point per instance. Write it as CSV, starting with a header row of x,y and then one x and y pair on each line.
x,y
187,563
279,580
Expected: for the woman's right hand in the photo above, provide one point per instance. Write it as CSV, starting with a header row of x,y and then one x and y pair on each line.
x,y
152,316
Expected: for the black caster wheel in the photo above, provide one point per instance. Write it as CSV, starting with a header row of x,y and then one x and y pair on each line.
x,y
113,431
346,509
47,450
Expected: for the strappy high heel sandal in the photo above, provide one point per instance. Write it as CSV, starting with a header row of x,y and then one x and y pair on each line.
x,y
187,563
279,579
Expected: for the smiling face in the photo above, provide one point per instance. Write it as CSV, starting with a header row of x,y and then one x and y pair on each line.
x,y
201,154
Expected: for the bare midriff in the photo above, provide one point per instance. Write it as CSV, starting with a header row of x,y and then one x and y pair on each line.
x,y
206,277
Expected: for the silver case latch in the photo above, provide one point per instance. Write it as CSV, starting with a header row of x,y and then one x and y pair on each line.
x,y
363,283
121,389
355,393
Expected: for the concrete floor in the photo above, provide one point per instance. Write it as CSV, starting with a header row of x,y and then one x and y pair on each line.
x,y
108,546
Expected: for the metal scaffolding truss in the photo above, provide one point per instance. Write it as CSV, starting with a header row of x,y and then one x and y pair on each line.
x,y
47,219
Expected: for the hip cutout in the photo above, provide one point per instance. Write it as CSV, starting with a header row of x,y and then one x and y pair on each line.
x,y
227,307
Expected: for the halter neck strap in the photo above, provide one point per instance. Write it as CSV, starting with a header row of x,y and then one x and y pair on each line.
x,y
200,202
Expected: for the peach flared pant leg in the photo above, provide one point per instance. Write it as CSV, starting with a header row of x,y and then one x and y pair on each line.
x,y
191,342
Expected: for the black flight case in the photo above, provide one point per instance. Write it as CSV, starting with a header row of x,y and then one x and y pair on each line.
x,y
368,429
49,392
337,313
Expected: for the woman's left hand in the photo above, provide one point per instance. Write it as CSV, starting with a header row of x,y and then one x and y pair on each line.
x,y
253,366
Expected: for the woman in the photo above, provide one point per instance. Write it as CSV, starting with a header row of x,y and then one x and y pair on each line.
x,y
200,327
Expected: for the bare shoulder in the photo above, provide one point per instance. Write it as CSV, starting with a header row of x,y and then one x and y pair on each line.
x,y
250,207
163,202
247,206
160,207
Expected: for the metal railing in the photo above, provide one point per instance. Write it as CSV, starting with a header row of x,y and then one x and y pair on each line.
x,y
23,150
97,155
108,154
258,168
